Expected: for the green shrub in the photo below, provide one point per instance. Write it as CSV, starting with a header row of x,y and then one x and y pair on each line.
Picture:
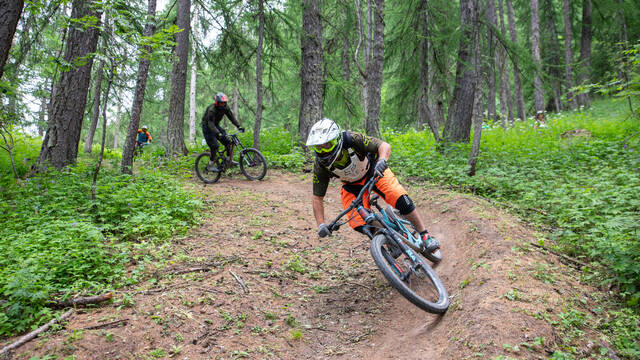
x,y
56,242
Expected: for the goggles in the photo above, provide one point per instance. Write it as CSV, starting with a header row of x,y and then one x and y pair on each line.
x,y
325,148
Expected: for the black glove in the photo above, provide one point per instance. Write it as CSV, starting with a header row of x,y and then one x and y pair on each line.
x,y
323,230
381,166
241,129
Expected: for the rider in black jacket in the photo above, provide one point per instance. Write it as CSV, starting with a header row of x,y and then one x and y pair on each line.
x,y
212,130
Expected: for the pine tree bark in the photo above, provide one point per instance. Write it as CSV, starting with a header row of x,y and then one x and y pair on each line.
x,y
425,115
60,145
116,127
175,125
458,125
554,57
374,71
505,83
9,16
258,123
491,71
516,69
138,97
311,72
192,100
97,91
585,53
568,56
538,91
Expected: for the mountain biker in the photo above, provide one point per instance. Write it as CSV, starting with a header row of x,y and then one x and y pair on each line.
x,y
354,158
212,130
144,137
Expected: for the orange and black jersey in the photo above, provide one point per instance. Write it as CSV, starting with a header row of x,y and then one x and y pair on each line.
x,y
359,152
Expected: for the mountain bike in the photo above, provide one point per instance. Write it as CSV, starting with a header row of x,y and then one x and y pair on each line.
x,y
395,248
252,163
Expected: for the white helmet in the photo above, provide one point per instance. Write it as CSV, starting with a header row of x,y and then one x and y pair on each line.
x,y
325,138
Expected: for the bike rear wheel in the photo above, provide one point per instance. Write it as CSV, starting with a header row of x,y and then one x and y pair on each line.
x,y
253,164
421,286
207,176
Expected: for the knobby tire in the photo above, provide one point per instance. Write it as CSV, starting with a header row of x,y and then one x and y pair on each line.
x,y
253,164
208,177
426,279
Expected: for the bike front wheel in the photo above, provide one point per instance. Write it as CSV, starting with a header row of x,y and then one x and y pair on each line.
x,y
206,175
419,284
253,164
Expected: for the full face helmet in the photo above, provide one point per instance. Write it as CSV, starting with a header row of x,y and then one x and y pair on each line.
x,y
221,100
325,139
145,127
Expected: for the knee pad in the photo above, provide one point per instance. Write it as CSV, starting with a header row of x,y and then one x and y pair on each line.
x,y
405,205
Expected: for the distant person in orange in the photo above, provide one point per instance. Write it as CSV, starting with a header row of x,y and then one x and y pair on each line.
x,y
144,137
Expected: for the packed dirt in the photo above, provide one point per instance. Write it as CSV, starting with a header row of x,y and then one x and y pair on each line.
x,y
255,281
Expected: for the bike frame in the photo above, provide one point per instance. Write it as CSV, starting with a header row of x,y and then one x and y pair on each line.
x,y
381,223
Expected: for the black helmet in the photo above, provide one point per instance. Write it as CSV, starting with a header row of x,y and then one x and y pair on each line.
x,y
221,100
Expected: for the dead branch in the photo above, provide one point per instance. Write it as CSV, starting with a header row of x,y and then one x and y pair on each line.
x,y
186,271
568,258
242,284
105,325
355,283
83,300
32,335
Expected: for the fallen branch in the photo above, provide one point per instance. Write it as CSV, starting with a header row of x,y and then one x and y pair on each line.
x,y
568,258
186,271
83,300
32,335
242,284
105,325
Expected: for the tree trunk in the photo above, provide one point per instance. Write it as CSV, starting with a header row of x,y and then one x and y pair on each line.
x,y
425,112
538,91
477,109
374,71
42,116
516,70
585,53
311,72
9,16
138,97
104,133
346,71
116,126
236,99
192,100
365,57
258,123
568,56
60,145
97,91
505,83
554,56
175,125
491,73
458,126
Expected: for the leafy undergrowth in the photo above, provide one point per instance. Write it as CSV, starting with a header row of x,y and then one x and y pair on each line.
x,y
55,242
584,190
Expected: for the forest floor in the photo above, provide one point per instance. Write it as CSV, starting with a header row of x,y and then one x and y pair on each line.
x,y
255,281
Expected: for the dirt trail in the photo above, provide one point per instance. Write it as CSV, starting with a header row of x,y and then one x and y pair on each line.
x,y
254,281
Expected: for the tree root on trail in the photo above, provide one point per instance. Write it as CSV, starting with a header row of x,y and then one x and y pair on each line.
x,y
32,335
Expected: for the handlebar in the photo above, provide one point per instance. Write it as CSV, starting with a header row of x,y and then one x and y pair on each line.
x,y
334,225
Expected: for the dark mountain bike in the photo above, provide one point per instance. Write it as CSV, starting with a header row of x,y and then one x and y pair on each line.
x,y
395,247
138,149
252,163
